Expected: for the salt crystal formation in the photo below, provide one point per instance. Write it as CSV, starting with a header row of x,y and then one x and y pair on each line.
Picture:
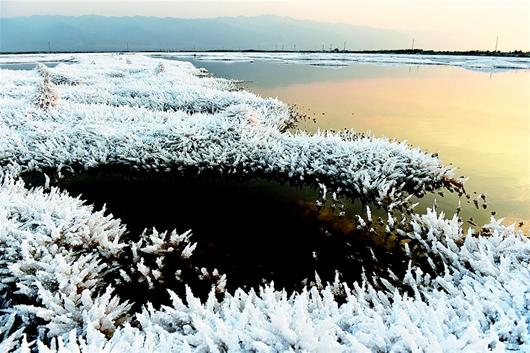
x,y
469,62
64,264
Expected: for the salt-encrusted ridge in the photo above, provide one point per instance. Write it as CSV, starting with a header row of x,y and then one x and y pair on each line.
x,y
175,119
62,261
478,304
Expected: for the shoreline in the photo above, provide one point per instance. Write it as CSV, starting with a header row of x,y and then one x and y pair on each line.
x,y
478,53
77,273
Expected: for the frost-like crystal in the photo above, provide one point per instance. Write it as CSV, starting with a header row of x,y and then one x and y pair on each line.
x,y
62,262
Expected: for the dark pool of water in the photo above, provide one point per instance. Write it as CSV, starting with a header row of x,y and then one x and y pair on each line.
x,y
251,230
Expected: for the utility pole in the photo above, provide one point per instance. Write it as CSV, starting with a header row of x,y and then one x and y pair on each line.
x,y
323,47
282,47
294,47
496,43
127,46
412,43
331,45
49,47
344,47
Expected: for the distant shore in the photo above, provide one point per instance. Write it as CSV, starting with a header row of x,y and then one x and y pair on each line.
x,y
516,53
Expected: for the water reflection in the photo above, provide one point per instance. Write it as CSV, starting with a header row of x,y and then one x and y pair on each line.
x,y
478,121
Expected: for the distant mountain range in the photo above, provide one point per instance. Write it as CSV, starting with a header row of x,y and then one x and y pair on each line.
x,y
100,33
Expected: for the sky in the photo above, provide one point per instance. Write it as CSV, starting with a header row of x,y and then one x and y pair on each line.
x,y
475,24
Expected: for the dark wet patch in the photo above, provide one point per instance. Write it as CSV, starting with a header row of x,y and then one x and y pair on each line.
x,y
254,231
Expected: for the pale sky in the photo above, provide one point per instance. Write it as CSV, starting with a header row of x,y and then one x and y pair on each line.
x,y
475,24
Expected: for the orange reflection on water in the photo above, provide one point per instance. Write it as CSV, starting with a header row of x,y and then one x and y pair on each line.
x,y
480,122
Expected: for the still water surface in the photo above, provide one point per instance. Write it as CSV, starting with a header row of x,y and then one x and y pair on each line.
x,y
477,121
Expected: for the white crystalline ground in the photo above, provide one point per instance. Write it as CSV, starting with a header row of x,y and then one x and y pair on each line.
x,y
485,63
129,115
59,253
32,58
482,63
